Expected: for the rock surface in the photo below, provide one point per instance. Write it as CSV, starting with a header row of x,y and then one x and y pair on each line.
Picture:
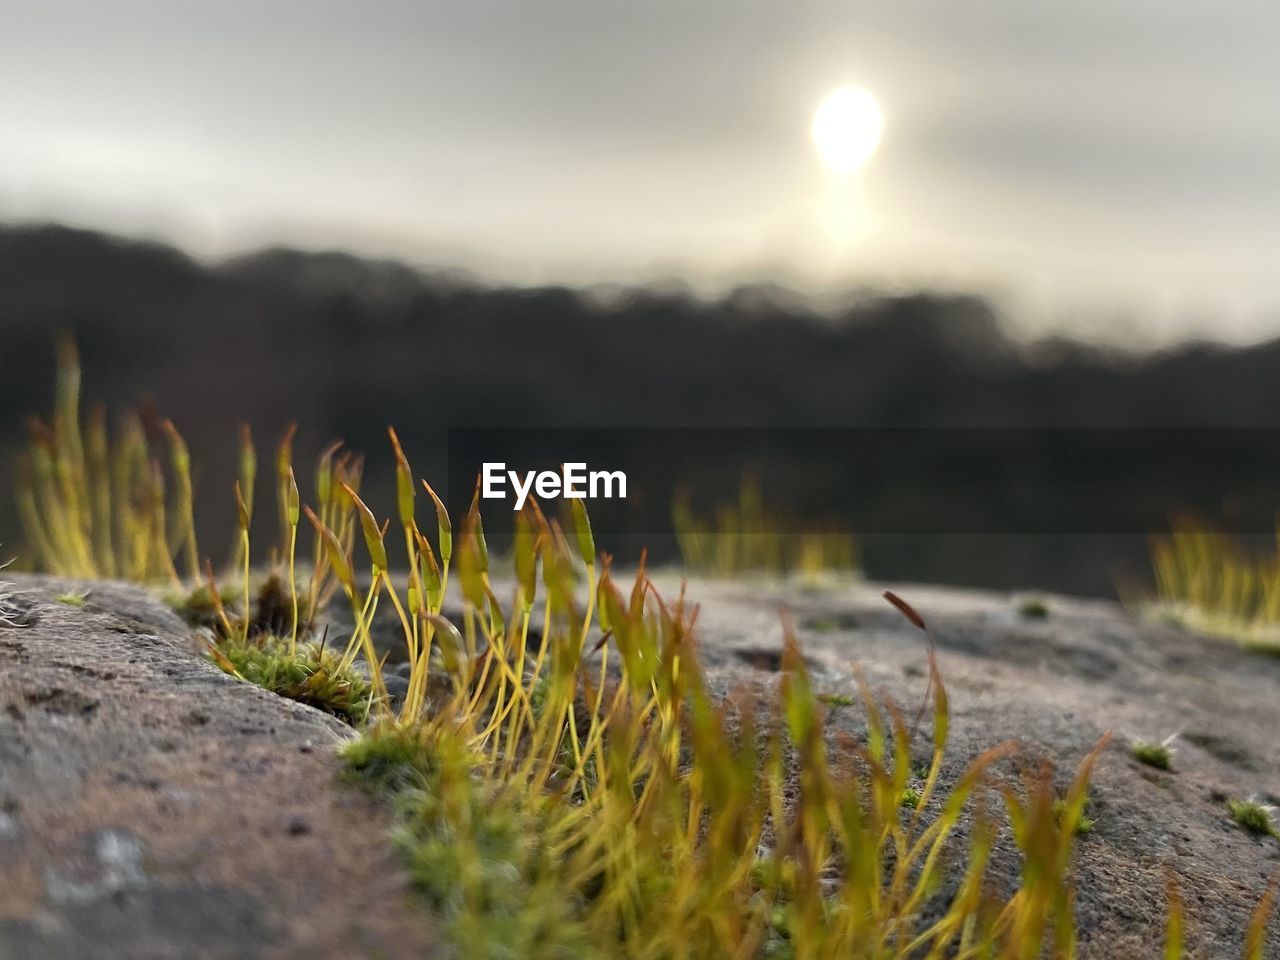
x,y
1056,684
152,807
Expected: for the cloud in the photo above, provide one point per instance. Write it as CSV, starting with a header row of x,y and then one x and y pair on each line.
x,y
580,139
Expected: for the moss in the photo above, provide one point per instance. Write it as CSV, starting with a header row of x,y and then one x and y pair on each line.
x,y
823,625
1253,816
770,873
1084,824
1267,647
1158,755
72,598
538,696
311,674
474,849
270,612
748,537
386,756
1033,608
197,607
1169,616
273,607
837,699
778,944
833,624
530,844
1198,571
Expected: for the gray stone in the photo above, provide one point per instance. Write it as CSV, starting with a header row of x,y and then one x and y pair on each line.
x,y
154,807
1055,685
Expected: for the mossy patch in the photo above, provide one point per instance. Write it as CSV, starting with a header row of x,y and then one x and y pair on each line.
x,y
478,851
832,624
836,700
1254,817
547,818
270,612
1266,646
1158,755
1084,823
541,819
310,674
387,756
1033,608
1199,571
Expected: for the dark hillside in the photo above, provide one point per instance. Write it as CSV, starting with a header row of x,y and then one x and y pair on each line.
x,y
347,345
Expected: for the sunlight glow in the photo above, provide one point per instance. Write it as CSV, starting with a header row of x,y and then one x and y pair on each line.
x,y
846,129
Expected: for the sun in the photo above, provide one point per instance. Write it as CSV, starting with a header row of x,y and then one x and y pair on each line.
x,y
846,129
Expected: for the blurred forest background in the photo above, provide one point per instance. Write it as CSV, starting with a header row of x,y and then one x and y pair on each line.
x,y
346,346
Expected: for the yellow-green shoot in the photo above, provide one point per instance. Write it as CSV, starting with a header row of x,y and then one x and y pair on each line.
x,y
553,805
95,503
747,538
585,794
1207,581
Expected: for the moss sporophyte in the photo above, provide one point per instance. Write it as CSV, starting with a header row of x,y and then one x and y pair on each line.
x,y
1209,582
748,537
566,783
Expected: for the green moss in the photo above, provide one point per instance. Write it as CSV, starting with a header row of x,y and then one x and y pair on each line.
x,y
1158,755
270,609
770,873
835,623
1253,816
637,847
538,696
1033,608
837,699
777,945
72,598
312,674
386,756
478,852
197,607
823,625
1084,824
1268,647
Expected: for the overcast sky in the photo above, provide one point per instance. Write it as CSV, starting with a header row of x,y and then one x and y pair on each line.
x,y
1090,162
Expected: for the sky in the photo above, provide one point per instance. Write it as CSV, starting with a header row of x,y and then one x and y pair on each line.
x,y
1099,168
